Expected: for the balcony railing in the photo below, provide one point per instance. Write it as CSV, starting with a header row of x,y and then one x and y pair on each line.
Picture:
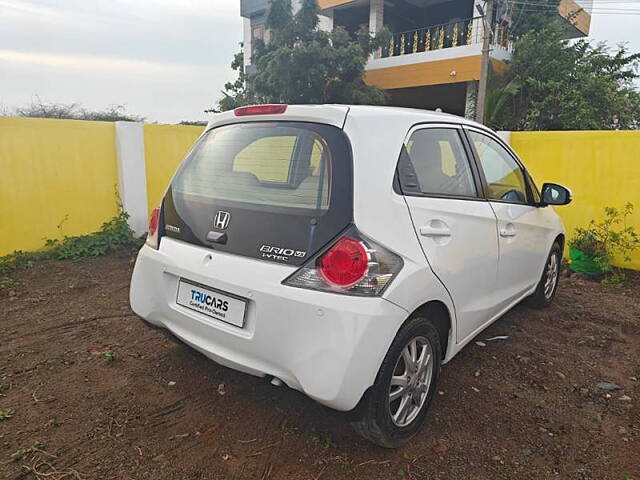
x,y
446,35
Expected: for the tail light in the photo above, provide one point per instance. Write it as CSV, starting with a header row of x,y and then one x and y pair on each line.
x,y
353,265
154,226
345,264
267,109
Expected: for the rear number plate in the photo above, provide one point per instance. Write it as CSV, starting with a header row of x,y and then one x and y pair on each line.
x,y
212,303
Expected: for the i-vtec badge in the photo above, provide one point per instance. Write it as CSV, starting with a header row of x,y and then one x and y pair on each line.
x,y
279,253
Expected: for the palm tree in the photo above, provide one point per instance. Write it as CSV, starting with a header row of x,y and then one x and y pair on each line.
x,y
497,98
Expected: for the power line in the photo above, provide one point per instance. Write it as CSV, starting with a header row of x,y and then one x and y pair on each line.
x,y
627,8
545,7
607,11
596,6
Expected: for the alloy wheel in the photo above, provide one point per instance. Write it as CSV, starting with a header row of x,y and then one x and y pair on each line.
x,y
410,381
551,275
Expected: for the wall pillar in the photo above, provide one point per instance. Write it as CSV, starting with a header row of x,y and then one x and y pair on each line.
x,y
505,136
376,16
132,174
376,20
478,24
326,20
471,99
247,47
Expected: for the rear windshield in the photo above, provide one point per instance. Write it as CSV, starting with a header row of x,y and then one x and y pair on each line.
x,y
272,188
283,166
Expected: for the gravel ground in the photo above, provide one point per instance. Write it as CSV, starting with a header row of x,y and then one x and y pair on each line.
x,y
96,394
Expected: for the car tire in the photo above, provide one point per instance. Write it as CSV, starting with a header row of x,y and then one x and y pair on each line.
x,y
379,418
548,284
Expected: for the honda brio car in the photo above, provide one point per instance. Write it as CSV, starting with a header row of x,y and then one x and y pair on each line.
x,y
347,251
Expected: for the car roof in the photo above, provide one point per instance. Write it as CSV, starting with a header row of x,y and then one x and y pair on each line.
x,y
336,115
412,114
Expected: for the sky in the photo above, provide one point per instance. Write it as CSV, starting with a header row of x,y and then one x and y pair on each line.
x,y
166,60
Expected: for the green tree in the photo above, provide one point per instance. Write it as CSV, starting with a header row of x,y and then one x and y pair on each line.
x,y
567,85
527,18
302,64
235,93
193,123
501,90
74,111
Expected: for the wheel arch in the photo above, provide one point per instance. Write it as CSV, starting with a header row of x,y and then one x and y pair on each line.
x,y
438,313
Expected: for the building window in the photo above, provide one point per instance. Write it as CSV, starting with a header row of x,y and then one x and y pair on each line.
x,y
257,33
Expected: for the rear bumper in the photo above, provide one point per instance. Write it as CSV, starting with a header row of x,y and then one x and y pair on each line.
x,y
328,346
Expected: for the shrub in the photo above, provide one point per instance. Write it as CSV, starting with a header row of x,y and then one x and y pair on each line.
x,y
113,235
603,241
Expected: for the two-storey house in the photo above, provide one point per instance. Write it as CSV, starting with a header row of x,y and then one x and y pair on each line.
x,y
434,56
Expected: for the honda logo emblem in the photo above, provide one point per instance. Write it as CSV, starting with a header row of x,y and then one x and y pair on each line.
x,y
221,220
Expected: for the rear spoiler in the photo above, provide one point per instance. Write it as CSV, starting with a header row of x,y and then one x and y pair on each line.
x,y
334,115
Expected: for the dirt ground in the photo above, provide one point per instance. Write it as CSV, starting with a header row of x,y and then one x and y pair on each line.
x,y
97,394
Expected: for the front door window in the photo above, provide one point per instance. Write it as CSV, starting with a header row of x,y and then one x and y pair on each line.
x,y
505,179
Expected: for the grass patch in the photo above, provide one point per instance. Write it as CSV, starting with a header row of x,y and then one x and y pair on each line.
x,y
53,422
7,283
4,385
110,356
114,235
19,260
6,414
25,451
325,440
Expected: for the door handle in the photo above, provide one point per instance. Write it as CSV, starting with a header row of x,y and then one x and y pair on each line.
x,y
508,230
428,231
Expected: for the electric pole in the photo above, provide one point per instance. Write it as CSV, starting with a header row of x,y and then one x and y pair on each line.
x,y
484,66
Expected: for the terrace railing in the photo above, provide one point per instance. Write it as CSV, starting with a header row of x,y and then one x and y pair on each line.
x,y
446,35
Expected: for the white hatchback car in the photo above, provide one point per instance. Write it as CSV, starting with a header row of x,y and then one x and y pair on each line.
x,y
347,251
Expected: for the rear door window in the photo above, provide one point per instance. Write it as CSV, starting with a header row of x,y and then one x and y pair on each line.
x,y
285,185
434,162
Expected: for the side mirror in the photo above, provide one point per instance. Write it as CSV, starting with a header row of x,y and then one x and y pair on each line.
x,y
554,194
